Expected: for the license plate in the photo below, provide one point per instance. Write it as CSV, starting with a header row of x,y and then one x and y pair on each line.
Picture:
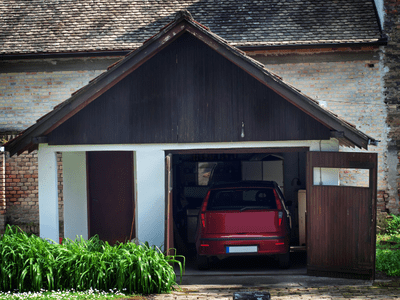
x,y
241,249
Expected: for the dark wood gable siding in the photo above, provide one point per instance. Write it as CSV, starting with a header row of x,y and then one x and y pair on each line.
x,y
187,93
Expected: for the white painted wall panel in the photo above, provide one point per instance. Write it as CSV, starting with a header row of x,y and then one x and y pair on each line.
x,y
150,191
75,195
48,193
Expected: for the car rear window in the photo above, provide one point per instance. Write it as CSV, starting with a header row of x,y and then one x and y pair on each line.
x,y
238,199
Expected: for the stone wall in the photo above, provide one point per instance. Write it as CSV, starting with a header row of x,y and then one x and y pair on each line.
x,y
391,61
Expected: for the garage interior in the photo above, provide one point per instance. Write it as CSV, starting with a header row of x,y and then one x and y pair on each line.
x,y
194,172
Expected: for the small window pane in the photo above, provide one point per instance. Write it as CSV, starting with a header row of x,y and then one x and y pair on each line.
x,y
354,177
341,177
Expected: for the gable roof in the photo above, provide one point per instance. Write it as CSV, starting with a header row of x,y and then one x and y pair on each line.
x,y
346,133
62,26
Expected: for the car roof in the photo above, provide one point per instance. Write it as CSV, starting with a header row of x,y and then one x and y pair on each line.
x,y
245,184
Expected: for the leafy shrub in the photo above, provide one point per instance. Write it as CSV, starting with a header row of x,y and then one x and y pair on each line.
x,y
388,254
393,225
29,263
388,261
381,222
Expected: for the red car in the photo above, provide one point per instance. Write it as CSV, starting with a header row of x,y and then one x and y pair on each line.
x,y
243,218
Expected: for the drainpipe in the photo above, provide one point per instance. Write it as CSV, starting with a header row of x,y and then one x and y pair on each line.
x,y
3,204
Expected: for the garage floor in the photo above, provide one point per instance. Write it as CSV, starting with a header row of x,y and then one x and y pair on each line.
x,y
253,271
247,265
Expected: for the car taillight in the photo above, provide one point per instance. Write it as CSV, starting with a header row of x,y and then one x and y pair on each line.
x,y
279,207
278,201
280,217
203,219
203,210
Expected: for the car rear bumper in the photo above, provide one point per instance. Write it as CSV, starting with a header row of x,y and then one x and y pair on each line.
x,y
256,245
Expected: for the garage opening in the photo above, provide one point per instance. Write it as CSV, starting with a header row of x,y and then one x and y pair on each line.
x,y
193,172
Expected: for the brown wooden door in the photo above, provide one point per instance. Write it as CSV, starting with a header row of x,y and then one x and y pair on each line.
x,y
111,201
341,220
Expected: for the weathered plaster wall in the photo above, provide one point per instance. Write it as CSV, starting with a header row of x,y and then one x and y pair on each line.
x,y
30,89
391,61
350,85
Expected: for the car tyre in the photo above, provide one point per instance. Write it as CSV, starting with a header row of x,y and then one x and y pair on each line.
x,y
203,262
284,260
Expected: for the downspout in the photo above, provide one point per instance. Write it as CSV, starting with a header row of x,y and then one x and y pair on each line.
x,y
3,204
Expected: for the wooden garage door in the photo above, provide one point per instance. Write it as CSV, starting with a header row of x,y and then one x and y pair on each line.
x,y
341,220
111,198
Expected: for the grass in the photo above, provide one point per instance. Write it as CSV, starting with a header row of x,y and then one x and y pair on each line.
x,y
388,248
31,264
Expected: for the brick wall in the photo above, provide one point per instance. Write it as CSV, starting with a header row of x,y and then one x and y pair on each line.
x,y
351,87
20,191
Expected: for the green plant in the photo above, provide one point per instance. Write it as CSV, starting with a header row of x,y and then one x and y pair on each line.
x,y
393,225
388,254
388,261
29,263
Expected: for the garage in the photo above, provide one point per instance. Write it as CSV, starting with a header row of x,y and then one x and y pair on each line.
x,y
190,108
192,172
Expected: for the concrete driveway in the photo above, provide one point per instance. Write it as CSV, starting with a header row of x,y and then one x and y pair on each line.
x,y
234,270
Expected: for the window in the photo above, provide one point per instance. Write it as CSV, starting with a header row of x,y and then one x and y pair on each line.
x,y
204,171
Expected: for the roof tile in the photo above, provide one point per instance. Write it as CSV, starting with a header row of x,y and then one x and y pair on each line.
x,y
34,26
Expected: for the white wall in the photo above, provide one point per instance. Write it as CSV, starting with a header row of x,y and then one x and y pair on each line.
x,y
48,193
75,195
150,193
